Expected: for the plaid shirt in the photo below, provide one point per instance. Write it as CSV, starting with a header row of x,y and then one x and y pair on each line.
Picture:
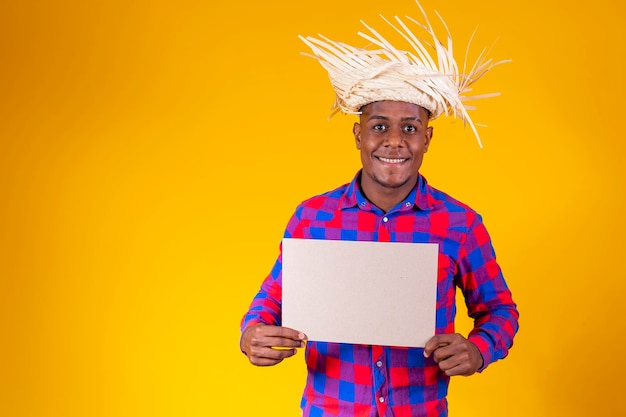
x,y
359,380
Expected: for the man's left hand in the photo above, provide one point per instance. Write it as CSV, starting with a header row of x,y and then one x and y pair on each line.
x,y
454,354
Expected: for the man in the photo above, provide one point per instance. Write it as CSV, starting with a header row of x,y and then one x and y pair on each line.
x,y
395,94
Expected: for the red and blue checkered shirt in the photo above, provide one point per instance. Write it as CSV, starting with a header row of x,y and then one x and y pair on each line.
x,y
359,380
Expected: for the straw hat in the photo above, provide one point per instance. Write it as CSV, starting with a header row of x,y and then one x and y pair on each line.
x,y
425,74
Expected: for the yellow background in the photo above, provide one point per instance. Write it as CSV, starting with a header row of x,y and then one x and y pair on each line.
x,y
151,153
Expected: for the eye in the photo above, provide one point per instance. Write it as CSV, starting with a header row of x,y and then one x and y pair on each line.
x,y
379,127
410,129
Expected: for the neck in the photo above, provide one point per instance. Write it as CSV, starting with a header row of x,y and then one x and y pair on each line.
x,y
384,197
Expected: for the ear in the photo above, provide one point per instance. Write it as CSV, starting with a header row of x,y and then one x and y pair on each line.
x,y
429,135
356,131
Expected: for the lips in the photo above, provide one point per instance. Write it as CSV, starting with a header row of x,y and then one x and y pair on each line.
x,y
392,160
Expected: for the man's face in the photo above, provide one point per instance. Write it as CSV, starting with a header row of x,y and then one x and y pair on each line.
x,y
392,137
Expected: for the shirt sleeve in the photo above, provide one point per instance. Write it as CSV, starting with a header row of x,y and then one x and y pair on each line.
x,y
487,295
266,305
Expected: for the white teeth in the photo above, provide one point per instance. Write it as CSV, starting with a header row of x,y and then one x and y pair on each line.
x,y
392,161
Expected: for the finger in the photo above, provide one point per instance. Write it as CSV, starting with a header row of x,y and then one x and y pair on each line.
x,y
257,342
288,333
457,345
276,342
457,365
451,369
444,352
263,335
283,343
448,357
457,359
266,332
435,343
267,356
264,362
430,346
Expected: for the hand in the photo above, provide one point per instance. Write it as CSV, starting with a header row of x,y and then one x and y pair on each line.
x,y
267,345
454,354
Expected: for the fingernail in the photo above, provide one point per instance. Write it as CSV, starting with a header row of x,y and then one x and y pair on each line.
x,y
301,336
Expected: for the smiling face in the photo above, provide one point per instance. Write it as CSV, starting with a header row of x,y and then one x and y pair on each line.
x,y
392,137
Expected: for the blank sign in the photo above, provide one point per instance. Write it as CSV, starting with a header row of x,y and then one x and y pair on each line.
x,y
371,293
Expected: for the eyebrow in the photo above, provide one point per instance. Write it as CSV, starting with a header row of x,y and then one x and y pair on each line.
x,y
403,119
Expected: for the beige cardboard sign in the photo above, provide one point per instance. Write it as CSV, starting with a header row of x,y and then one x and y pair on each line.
x,y
372,293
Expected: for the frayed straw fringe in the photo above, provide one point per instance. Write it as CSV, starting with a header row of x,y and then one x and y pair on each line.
x,y
427,76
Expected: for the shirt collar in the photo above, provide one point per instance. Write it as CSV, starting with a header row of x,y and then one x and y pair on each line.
x,y
419,197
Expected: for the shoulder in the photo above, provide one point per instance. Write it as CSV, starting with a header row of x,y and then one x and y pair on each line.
x,y
328,202
459,213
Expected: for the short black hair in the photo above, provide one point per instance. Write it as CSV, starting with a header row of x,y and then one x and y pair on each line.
x,y
428,112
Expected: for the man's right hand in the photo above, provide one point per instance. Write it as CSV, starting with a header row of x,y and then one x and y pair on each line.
x,y
267,345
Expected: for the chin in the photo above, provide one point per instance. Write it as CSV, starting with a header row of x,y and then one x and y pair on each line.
x,y
392,182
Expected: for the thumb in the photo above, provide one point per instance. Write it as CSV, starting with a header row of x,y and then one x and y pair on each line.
x,y
433,344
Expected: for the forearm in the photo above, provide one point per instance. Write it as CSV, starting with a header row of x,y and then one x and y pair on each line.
x,y
494,331
487,296
266,305
263,309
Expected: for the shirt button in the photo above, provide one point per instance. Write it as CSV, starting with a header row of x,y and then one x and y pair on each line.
x,y
379,364
385,219
381,399
408,204
363,203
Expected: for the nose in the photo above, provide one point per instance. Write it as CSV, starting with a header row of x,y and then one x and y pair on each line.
x,y
394,138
